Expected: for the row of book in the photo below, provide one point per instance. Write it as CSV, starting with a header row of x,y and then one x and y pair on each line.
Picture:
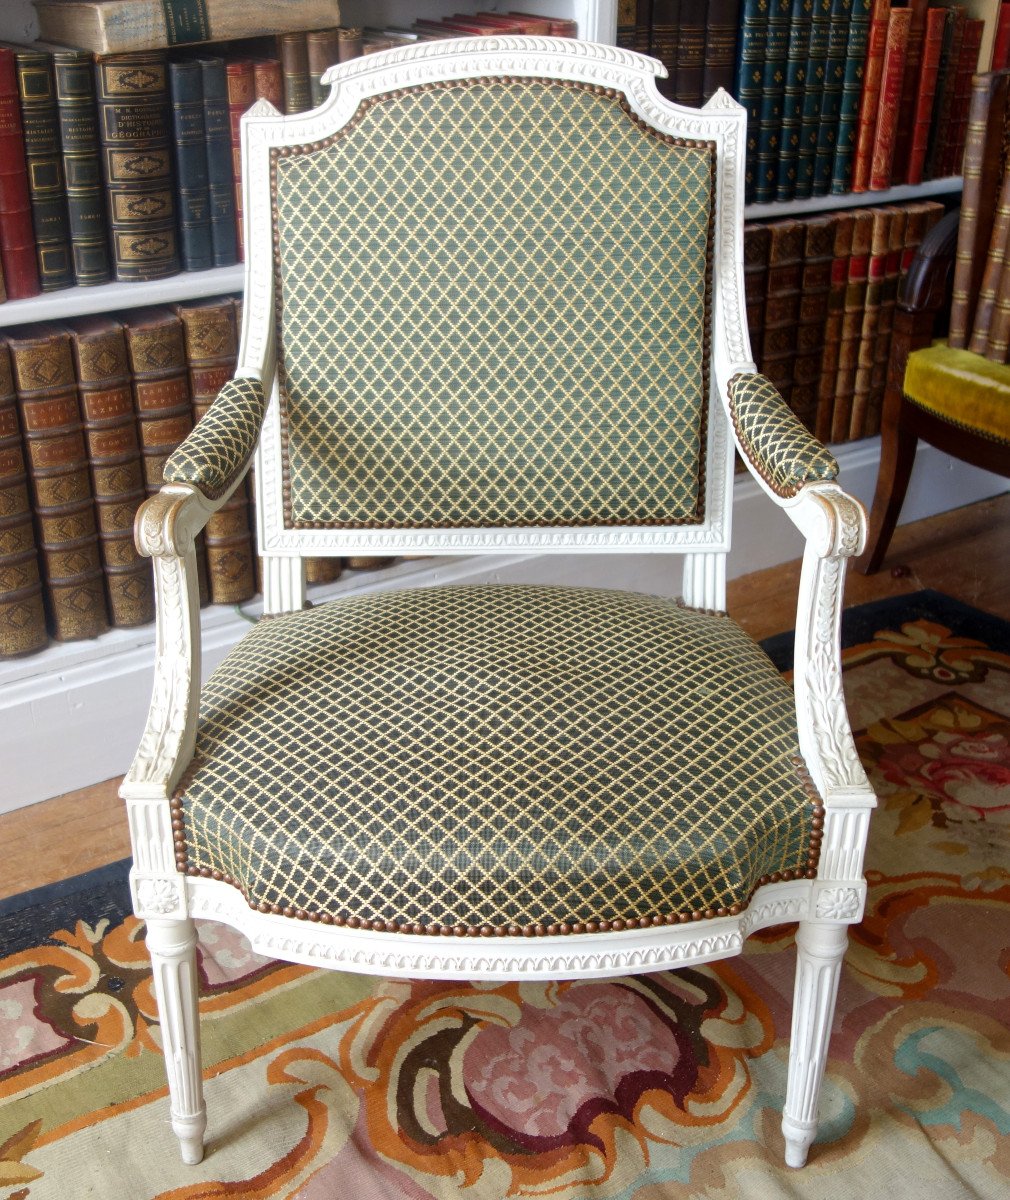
x,y
980,304
127,166
821,293
89,412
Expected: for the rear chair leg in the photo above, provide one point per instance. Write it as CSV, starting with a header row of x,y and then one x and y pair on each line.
x,y
172,946
820,947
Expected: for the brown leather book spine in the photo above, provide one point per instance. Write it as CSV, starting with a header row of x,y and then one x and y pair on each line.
x,y
983,147
892,77
815,286
690,52
841,249
134,126
782,302
323,570
756,240
268,82
241,94
998,346
22,614
322,48
932,46
348,43
721,21
946,86
967,64
866,355
17,237
110,432
211,351
293,51
885,320
999,241
909,89
852,324
873,74
61,482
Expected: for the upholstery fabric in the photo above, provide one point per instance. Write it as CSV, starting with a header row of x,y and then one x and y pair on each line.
x,y
961,387
493,311
223,440
494,758
782,450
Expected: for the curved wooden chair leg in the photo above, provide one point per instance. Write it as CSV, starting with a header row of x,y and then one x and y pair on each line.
x,y
897,457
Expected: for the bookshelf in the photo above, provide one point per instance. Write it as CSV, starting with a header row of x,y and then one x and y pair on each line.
x,y
95,693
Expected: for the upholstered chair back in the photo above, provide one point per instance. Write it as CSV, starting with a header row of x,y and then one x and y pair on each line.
x,y
493,309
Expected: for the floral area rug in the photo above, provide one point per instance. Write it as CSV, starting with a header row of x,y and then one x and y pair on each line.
x,y
662,1087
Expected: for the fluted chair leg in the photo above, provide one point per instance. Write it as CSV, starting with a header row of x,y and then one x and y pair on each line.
x,y
172,946
820,947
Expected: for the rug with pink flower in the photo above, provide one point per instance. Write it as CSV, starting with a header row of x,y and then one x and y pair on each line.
x,y
661,1087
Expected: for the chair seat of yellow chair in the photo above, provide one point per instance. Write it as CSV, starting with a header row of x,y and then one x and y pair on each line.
x,y
961,387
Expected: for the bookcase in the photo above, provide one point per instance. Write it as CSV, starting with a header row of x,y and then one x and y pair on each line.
x,y
89,698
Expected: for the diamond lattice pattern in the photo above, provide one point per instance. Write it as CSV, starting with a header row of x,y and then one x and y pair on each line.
x,y
493,313
494,755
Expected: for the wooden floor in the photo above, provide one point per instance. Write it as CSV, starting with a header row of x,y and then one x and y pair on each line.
x,y
963,553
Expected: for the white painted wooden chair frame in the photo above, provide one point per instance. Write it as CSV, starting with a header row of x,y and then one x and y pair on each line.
x,y
832,523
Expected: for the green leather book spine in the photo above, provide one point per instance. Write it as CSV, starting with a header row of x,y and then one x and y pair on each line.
x,y
748,79
792,102
192,188
831,95
772,95
852,86
77,113
817,53
220,180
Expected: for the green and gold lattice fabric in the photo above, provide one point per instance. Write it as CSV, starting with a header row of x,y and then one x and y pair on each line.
x,y
782,450
493,310
223,440
496,757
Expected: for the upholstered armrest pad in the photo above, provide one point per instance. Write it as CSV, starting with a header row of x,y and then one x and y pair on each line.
x,y
221,444
780,448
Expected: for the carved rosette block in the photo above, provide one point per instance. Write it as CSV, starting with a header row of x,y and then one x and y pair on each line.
x,y
158,897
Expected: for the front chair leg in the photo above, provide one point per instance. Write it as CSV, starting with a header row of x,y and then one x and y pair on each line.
x,y
172,946
820,947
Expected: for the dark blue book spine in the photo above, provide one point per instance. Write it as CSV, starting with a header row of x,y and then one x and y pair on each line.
x,y
772,96
220,179
831,96
852,89
817,54
792,104
185,83
749,77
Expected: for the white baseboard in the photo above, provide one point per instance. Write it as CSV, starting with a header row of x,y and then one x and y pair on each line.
x,y
72,715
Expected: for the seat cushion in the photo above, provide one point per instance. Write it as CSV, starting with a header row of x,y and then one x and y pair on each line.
x,y
497,759
961,387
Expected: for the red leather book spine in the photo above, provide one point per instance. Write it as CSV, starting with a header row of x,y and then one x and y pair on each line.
x,y
17,237
967,65
909,88
872,78
1001,41
890,98
241,94
931,46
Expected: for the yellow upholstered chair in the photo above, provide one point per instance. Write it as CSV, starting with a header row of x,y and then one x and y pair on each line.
x,y
494,300
953,398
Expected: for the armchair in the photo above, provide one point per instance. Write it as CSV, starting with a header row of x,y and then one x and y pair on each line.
x,y
494,300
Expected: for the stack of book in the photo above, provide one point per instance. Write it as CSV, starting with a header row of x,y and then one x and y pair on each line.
x,y
695,40
119,145
820,306
853,95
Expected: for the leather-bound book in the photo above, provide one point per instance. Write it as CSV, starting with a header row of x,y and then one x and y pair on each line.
x,y
885,319
61,482
891,81
44,159
189,145
756,241
810,120
876,268
998,345
663,36
831,95
721,22
1001,38
293,51
815,285
792,99
786,245
348,43
748,77
220,172
869,102
953,153
844,224
691,53
22,615
772,96
987,133
323,570
241,94
852,324
110,432
852,90
322,51
268,81
905,123
999,244
925,96
17,237
134,126
946,88
211,350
